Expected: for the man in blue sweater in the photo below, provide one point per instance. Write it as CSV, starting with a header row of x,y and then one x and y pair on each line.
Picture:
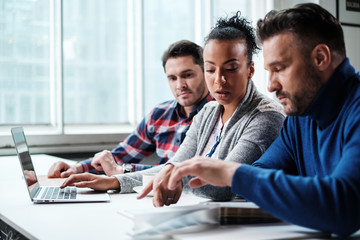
x,y
310,175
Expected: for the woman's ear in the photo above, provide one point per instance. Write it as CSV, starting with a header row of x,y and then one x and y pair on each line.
x,y
251,70
321,57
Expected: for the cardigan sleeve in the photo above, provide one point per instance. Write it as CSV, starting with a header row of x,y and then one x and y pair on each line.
x,y
130,180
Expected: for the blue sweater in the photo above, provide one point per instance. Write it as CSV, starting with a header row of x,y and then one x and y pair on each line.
x,y
310,175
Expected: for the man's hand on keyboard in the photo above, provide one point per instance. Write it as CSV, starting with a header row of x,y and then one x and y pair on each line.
x,y
96,182
61,169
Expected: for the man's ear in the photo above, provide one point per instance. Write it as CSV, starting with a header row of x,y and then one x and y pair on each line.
x,y
321,57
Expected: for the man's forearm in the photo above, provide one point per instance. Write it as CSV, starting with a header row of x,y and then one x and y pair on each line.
x,y
78,167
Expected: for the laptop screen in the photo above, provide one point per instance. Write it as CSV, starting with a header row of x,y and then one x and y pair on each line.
x,y
25,160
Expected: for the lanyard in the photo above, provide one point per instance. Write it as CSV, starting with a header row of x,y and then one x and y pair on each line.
x,y
218,139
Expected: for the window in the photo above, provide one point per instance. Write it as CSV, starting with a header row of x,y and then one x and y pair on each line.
x,y
25,62
95,65
80,74
159,33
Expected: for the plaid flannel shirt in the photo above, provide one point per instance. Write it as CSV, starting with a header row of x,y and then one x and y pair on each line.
x,y
161,131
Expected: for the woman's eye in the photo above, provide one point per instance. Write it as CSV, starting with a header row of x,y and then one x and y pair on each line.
x,y
231,69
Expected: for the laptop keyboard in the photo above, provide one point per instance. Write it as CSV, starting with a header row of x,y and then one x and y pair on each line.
x,y
59,193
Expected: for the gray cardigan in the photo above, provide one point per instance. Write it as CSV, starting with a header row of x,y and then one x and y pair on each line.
x,y
253,126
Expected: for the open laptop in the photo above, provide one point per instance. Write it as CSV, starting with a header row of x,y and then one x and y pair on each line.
x,y
49,194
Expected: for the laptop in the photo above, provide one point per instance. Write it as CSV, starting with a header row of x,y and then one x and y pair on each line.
x,y
49,194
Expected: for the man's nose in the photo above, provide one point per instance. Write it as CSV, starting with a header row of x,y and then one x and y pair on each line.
x,y
273,83
181,83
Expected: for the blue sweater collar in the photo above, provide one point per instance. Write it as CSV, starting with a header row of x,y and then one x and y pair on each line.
x,y
331,97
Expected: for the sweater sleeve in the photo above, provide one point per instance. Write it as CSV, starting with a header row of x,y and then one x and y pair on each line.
x,y
130,180
330,203
262,129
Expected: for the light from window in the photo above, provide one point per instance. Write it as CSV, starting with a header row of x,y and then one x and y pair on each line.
x,y
24,62
95,61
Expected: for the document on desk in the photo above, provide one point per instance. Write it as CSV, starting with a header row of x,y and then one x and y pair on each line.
x,y
162,222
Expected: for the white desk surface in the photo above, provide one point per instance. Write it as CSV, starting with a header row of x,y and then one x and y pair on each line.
x,y
101,220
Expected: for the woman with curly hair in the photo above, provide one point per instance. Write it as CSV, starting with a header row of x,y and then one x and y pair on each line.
x,y
238,127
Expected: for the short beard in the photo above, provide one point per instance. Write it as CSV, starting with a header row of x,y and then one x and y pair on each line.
x,y
302,99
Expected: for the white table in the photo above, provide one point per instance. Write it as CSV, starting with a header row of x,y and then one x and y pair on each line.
x,y
102,220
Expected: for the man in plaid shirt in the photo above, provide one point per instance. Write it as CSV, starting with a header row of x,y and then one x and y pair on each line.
x,y
164,128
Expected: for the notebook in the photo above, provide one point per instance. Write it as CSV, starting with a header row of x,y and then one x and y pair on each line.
x,y
49,194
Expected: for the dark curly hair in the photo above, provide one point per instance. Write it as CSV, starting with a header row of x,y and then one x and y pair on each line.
x,y
233,28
